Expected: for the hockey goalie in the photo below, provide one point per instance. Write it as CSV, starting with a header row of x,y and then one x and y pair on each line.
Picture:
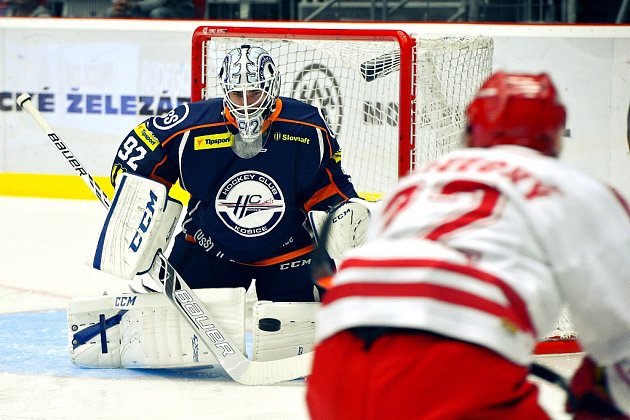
x,y
255,166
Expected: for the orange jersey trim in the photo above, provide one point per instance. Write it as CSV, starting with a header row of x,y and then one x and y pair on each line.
x,y
267,261
165,142
324,193
159,179
266,123
315,126
281,258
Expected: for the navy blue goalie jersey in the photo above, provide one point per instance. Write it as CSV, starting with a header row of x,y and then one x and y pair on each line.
x,y
247,210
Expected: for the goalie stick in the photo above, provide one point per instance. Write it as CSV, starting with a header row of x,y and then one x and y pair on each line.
x,y
322,267
237,365
553,377
322,263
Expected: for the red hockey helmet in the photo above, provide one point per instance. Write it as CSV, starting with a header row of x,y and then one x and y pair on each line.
x,y
519,109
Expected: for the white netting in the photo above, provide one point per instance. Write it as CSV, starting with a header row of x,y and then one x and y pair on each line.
x,y
450,70
562,339
563,329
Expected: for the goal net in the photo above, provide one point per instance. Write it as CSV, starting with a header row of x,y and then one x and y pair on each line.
x,y
562,339
395,101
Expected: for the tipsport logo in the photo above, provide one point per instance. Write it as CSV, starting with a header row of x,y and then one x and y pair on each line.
x,y
250,203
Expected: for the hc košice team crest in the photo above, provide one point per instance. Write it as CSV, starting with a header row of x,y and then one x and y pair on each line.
x,y
250,203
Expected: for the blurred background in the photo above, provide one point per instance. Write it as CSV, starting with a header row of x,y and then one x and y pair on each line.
x,y
523,11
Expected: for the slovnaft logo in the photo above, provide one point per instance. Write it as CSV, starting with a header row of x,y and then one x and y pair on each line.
x,y
288,137
250,203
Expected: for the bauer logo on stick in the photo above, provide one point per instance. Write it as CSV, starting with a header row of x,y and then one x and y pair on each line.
x,y
67,153
198,316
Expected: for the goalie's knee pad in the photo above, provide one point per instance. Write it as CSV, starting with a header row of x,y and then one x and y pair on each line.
x,y
283,329
147,331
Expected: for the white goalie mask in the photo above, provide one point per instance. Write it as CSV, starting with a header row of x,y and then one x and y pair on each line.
x,y
251,84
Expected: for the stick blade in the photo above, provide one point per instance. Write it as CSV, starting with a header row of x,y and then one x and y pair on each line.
x,y
274,371
380,66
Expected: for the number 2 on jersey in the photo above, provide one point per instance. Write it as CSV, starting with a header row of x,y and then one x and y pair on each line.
x,y
127,154
485,208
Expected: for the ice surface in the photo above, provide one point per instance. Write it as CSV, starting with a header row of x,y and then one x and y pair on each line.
x,y
44,244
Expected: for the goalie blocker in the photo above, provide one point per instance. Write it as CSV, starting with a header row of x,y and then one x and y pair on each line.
x,y
140,221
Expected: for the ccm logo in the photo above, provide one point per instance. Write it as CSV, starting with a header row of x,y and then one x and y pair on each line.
x,y
341,216
147,218
294,264
122,301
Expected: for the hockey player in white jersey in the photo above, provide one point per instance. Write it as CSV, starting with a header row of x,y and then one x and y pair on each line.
x,y
466,264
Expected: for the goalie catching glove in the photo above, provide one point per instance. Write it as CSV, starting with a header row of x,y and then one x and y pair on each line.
x,y
140,221
348,226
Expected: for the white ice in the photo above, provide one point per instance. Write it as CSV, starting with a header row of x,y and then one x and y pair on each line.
x,y
44,246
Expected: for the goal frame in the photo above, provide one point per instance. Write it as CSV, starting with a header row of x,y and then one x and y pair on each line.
x,y
407,87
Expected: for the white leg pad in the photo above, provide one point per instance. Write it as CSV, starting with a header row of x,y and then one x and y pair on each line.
x,y
146,330
288,329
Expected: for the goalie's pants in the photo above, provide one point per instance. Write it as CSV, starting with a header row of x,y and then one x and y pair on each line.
x,y
409,374
282,282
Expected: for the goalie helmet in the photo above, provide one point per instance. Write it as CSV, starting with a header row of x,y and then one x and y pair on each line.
x,y
519,109
251,84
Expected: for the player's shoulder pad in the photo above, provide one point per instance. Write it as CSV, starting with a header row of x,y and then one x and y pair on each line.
x,y
172,119
189,115
294,109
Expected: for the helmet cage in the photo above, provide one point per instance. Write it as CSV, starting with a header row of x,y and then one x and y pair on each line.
x,y
250,83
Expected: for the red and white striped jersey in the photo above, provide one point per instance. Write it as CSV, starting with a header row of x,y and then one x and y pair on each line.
x,y
486,246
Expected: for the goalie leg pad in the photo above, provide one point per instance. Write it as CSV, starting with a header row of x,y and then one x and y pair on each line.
x,y
283,329
146,330
94,333
140,221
